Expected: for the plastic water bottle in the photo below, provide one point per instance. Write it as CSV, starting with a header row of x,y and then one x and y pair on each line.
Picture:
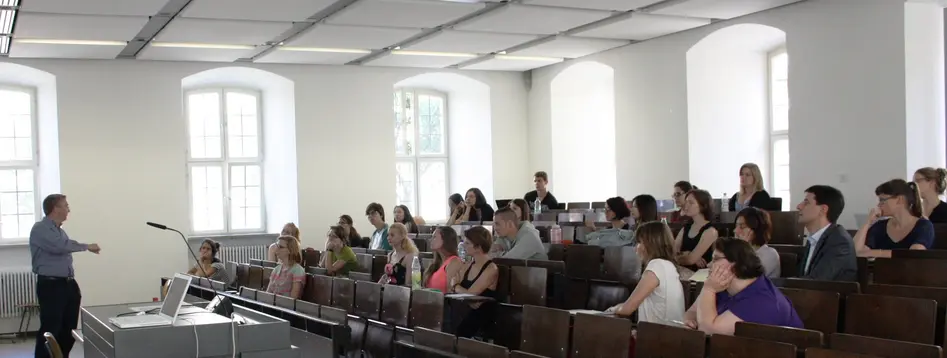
x,y
724,207
537,206
462,252
555,234
664,220
416,274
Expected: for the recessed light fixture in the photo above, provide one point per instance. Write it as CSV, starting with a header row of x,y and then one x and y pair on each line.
x,y
6,20
529,58
202,45
70,42
321,49
429,53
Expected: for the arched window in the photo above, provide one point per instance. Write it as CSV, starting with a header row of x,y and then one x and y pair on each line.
x,y
225,160
779,123
19,199
422,151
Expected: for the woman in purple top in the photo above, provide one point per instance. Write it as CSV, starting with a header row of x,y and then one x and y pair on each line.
x,y
737,290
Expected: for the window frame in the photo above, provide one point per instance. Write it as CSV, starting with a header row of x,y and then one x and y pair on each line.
x,y
225,161
775,135
33,164
416,157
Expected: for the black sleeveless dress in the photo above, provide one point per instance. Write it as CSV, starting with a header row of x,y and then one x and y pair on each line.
x,y
689,243
478,318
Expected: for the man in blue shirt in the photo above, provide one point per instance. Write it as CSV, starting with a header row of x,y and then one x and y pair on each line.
x,y
56,287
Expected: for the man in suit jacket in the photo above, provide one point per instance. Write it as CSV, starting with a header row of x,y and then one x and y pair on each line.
x,y
830,252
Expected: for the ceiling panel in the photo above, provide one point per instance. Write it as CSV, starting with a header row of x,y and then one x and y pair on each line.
x,y
645,26
78,27
721,9
524,19
222,31
321,58
28,50
417,61
570,47
95,7
470,42
269,10
402,13
497,64
355,37
612,5
191,54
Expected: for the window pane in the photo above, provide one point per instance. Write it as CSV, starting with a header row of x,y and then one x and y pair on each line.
x,y
241,125
779,64
433,183
781,178
431,124
246,197
404,185
203,116
781,152
10,225
404,125
17,203
780,118
780,93
787,202
16,120
207,198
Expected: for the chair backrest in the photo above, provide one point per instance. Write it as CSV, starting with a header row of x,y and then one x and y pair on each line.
x,y
476,349
361,276
600,336
919,254
507,325
343,294
584,261
311,257
818,309
788,264
801,338
786,227
246,292
318,289
585,205
557,252
882,347
307,308
267,271
266,297
378,267
550,266
528,285
605,294
271,264
659,340
619,266
910,272
435,339
243,275
395,303
334,314
256,277
52,346
831,353
364,263
843,288
427,309
368,299
723,346
545,331
521,354
317,270
898,318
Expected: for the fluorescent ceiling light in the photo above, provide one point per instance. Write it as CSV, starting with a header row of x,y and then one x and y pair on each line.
x,y
428,53
321,49
201,45
6,21
4,45
528,58
70,42
9,2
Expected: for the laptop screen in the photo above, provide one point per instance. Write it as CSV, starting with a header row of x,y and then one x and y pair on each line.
x,y
172,302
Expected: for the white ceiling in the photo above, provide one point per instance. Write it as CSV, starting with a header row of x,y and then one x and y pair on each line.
x,y
475,34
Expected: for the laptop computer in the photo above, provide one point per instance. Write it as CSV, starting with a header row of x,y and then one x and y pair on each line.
x,y
502,203
169,309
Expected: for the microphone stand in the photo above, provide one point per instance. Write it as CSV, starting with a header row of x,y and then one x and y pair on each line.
x,y
224,307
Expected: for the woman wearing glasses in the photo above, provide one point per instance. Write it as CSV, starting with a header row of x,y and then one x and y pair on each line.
x,y
681,189
905,227
620,234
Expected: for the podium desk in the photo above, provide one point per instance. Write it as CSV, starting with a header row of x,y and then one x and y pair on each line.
x,y
196,333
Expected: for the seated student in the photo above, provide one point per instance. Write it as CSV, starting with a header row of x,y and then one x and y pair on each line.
x,y
754,226
456,209
339,258
541,180
738,291
830,253
213,267
477,277
644,208
446,262
352,236
517,239
289,276
932,183
521,208
681,189
398,269
751,190
620,234
289,229
695,241
376,216
658,297
475,207
905,228
403,216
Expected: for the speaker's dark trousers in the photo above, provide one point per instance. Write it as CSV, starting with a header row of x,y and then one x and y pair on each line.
x,y
59,300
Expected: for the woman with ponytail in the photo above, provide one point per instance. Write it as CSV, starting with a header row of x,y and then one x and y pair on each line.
x,y
903,226
210,264
932,183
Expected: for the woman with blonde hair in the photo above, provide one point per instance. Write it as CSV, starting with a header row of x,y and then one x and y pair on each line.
x,y
402,255
289,229
289,276
932,183
751,190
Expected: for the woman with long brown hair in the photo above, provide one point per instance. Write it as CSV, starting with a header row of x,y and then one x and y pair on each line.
x,y
352,235
446,263
658,297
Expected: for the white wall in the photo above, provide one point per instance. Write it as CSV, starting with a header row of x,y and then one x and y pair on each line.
x,y
122,140
924,85
846,70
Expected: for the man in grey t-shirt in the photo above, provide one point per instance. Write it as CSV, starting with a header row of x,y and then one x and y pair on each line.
x,y
516,239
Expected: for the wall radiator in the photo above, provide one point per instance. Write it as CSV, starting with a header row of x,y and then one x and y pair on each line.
x,y
16,288
242,254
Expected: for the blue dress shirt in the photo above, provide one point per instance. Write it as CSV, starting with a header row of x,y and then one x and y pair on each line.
x,y
52,249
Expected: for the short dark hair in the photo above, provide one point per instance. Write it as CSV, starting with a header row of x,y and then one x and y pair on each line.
x,y
51,201
375,207
746,264
685,186
647,207
619,207
479,237
904,189
704,202
831,197
506,213
542,175
758,221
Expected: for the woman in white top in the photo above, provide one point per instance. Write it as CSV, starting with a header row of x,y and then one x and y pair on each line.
x,y
659,297
754,226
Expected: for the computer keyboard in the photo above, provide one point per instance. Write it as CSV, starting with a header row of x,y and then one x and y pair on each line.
x,y
144,319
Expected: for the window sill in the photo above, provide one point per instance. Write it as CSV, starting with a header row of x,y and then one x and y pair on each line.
x,y
226,237
14,243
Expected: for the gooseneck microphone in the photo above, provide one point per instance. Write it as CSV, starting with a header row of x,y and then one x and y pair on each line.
x,y
224,307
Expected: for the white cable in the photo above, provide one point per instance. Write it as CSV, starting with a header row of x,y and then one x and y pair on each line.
x,y
233,335
197,341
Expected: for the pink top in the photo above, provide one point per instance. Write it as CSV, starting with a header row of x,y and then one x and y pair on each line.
x,y
438,280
